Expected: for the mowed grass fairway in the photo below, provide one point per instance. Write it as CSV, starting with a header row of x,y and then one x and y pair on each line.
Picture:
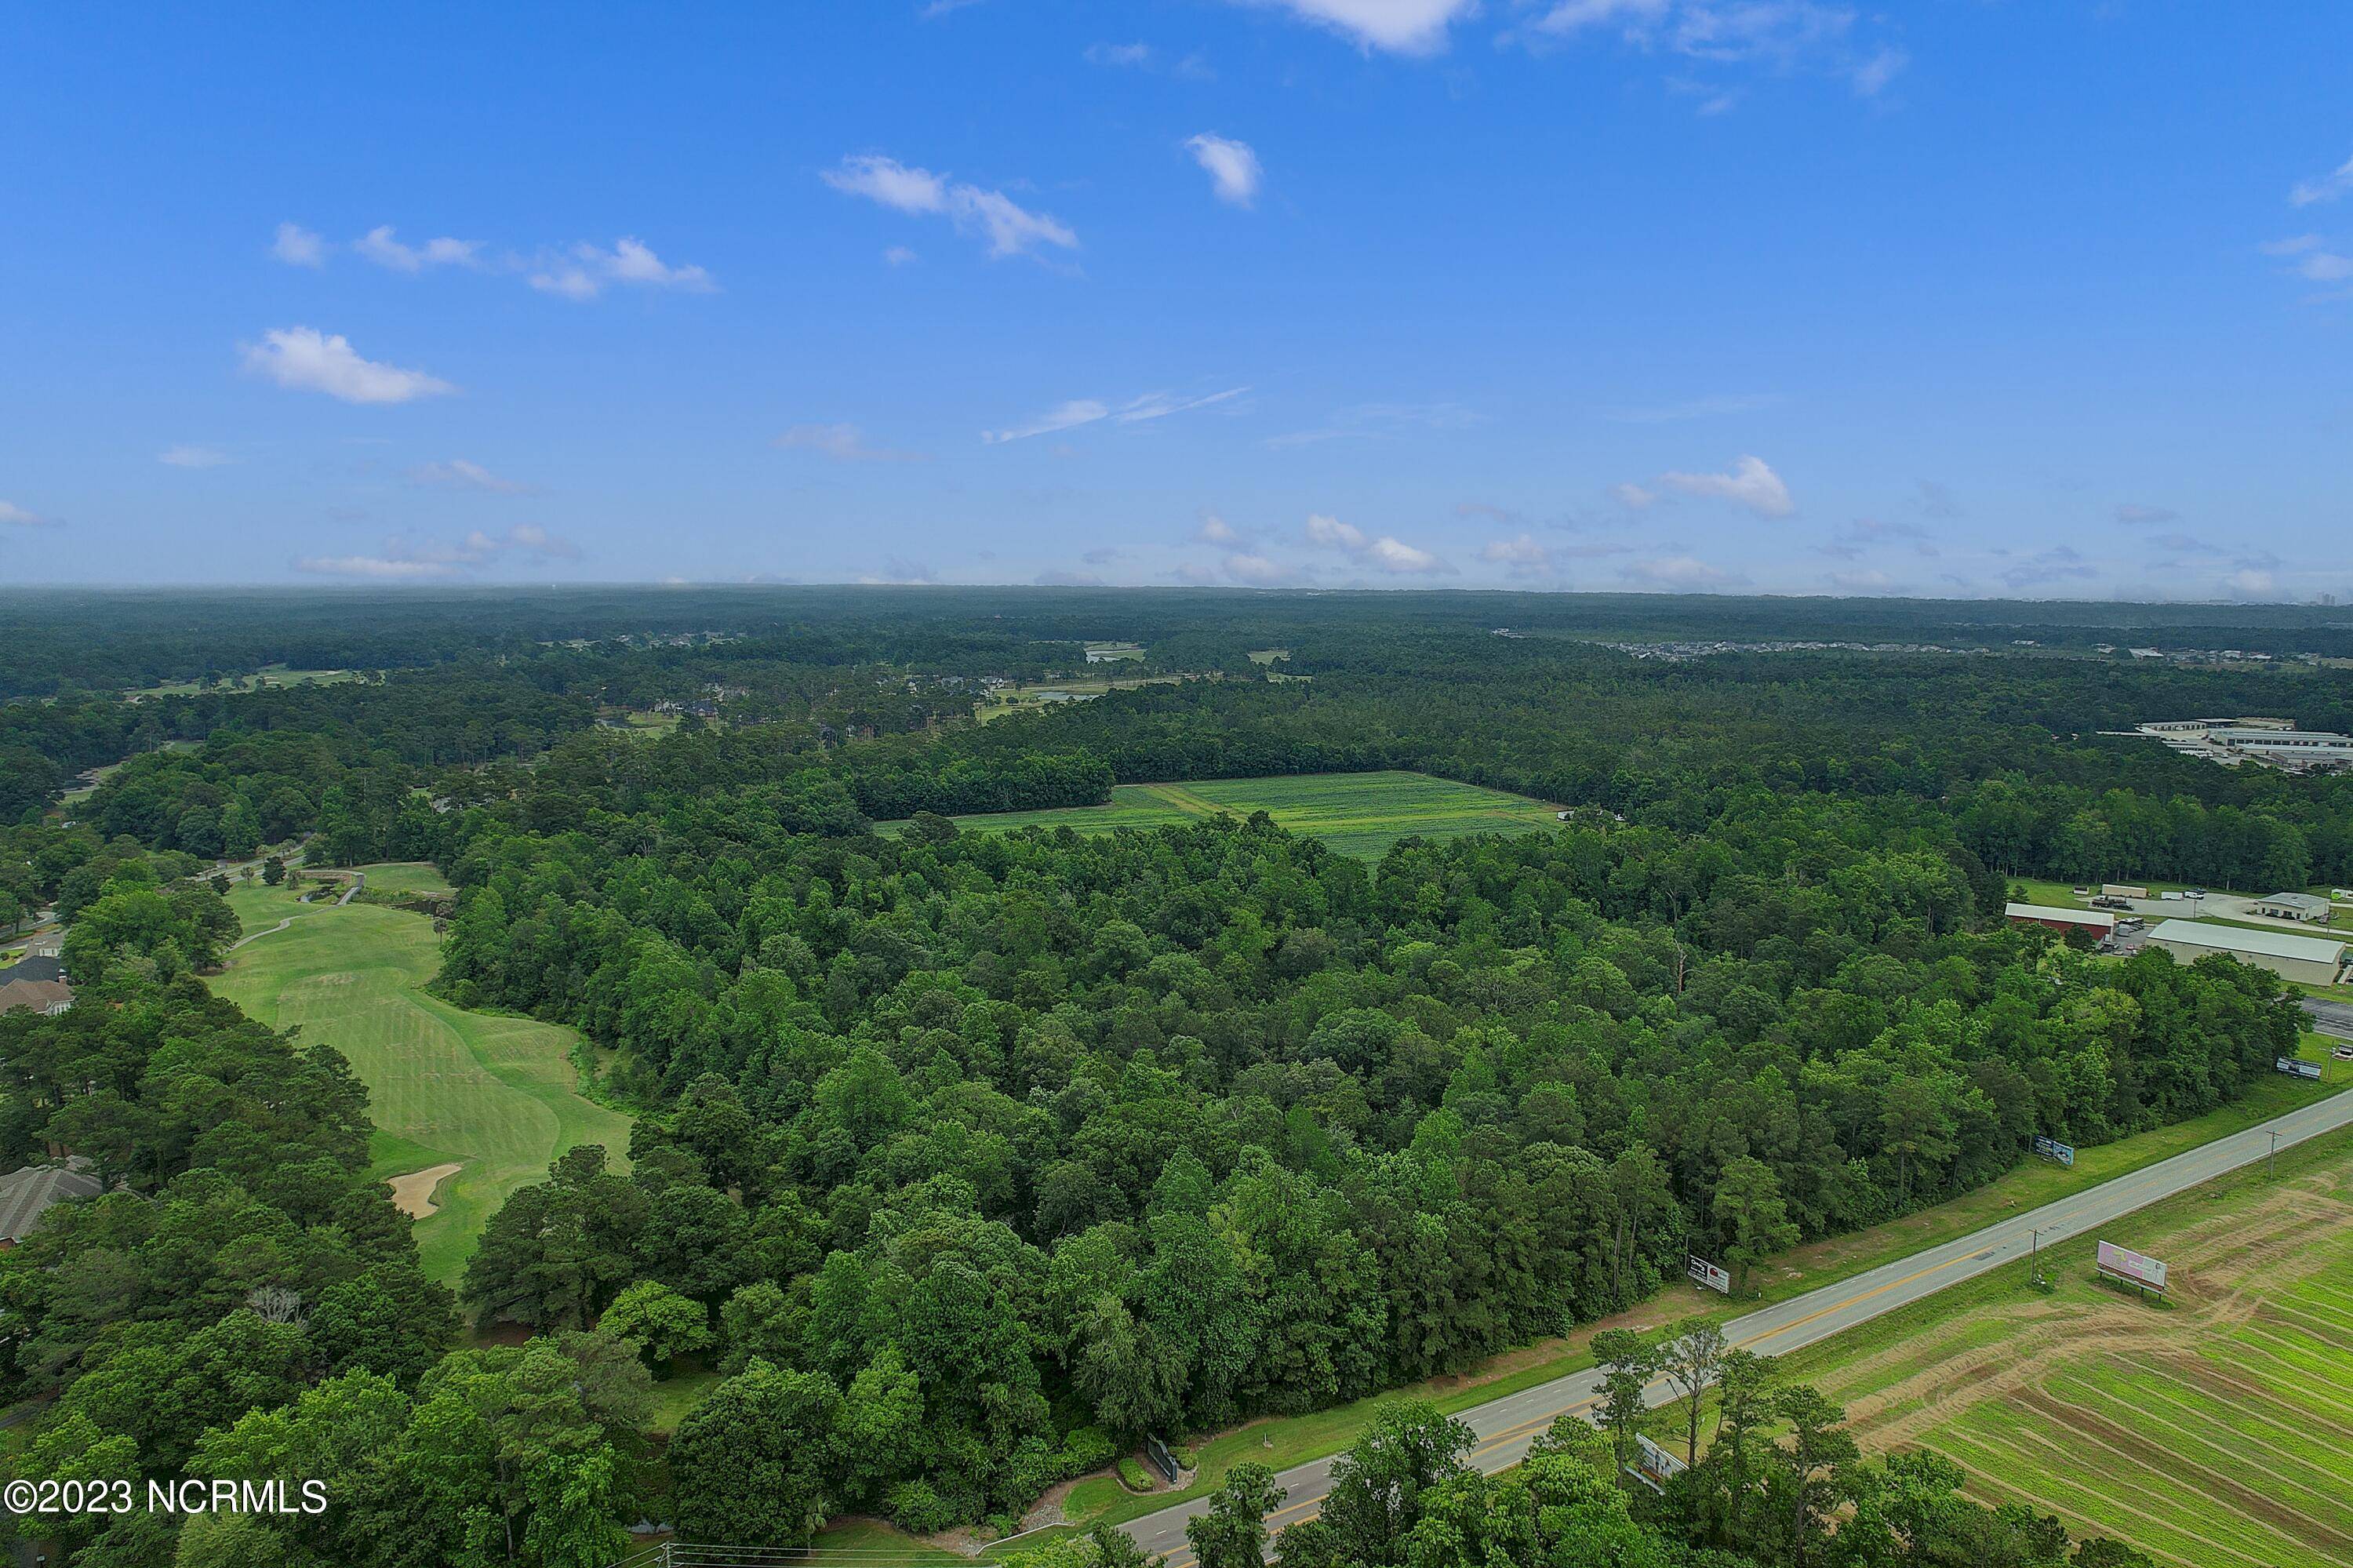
x,y
2215,1434
1358,814
496,1096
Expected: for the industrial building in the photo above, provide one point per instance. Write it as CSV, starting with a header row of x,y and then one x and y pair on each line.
x,y
2315,960
2270,742
2309,908
2098,922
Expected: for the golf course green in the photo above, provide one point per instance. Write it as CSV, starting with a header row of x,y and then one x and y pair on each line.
x,y
497,1097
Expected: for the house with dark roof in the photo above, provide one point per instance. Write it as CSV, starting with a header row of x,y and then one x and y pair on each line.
x,y
38,965
26,1195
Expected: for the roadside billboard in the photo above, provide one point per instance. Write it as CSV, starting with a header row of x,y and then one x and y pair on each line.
x,y
2294,1068
1702,1272
2051,1149
2132,1267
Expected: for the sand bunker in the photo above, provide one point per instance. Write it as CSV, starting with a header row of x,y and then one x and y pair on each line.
x,y
413,1194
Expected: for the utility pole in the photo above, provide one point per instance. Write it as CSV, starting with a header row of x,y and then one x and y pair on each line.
x,y
2034,1255
2271,1167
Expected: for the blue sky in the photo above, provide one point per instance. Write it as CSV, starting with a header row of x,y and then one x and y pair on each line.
x,y
1954,298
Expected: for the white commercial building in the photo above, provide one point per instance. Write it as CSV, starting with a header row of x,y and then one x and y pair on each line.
x,y
2315,960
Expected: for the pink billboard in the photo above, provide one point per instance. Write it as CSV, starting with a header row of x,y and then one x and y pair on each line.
x,y
2130,1267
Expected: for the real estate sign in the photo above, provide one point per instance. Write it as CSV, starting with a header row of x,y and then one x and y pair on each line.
x,y
1706,1273
2132,1267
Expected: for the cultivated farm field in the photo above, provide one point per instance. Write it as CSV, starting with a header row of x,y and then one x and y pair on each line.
x,y
1358,814
495,1096
2215,1433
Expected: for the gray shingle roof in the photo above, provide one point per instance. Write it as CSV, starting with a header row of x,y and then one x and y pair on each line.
x,y
26,1195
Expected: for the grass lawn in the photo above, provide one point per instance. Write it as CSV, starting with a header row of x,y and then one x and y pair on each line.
x,y
1287,1441
405,878
1358,814
2216,1433
1268,655
498,1096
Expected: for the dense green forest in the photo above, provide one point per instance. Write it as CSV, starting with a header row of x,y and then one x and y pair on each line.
x,y
972,1158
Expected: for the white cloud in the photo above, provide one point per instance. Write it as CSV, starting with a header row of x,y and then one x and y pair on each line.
x,y
1634,497
186,456
890,183
304,359
2133,514
897,256
1258,571
841,442
1233,167
1064,417
1401,26
1678,574
1010,229
1333,533
379,247
1089,411
1133,55
1216,530
1576,15
1872,77
1384,553
1159,405
1521,556
402,559
1751,484
2060,563
298,246
2252,584
372,566
584,271
14,516
460,474
1396,556
2328,187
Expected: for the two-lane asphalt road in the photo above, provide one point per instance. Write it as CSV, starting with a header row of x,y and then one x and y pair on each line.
x,y
1506,1426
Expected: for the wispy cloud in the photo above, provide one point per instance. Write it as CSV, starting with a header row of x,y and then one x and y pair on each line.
x,y
1089,411
186,456
1399,26
14,516
2060,563
584,271
2328,187
304,359
841,442
1216,530
298,246
1866,580
2133,514
1776,35
1009,229
1523,555
1384,553
1751,484
459,473
402,559
1634,497
379,245
1679,574
1232,166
